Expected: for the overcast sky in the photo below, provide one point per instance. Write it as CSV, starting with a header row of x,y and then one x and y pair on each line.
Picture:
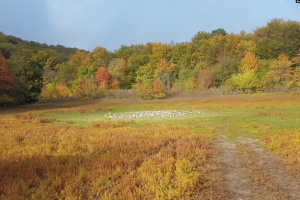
x,y
86,24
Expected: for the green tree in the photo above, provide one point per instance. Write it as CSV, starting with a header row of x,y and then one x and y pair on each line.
x,y
277,37
67,73
144,87
29,78
223,70
134,63
219,31
184,80
44,59
101,57
86,71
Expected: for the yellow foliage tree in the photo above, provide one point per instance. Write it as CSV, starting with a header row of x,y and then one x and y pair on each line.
x,y
280,72
249,62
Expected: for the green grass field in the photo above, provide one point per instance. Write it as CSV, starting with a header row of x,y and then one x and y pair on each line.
x,y
72,150
236,116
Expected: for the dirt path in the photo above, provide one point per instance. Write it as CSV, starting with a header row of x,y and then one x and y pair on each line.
x,y
256,174
235,175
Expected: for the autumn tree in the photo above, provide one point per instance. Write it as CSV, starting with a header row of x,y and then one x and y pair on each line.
x,y
87,88
8,84
246,82
158,89
103,77
249,62
201,35
205,78
211,48
279,72
160,51
55,90
80,58
165,72
117,68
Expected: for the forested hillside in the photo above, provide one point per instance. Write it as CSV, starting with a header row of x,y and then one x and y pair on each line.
x,y
23,65
269,57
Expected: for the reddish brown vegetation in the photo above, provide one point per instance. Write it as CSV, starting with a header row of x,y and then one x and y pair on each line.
x,y
103,78
8,84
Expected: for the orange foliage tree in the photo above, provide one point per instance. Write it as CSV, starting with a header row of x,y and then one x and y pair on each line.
x,y
165,72
158,89
103,77
8,84
249,62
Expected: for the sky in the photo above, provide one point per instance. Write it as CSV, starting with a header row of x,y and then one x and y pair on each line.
x,y
85,24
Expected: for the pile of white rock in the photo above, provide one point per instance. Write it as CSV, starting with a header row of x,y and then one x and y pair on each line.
x,y
152,114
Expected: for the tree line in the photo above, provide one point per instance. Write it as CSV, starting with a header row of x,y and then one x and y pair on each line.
x,y
266,58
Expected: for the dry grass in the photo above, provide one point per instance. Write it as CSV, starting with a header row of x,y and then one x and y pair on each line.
x,y
106,160
42,158
286,143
